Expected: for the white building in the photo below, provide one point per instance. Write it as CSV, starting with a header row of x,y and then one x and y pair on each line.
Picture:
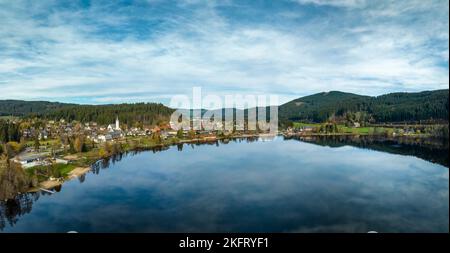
x,y
116,127
103,138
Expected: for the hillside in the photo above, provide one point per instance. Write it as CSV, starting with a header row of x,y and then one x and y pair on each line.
x,y
393,107
145,113
130,114
410,106
27,108
321,106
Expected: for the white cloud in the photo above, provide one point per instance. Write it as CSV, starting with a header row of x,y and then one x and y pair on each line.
x,y
63,58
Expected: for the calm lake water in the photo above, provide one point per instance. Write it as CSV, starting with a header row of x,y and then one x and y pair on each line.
x,y
245,186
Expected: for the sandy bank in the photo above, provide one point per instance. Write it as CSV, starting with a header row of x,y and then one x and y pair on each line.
x,y
49,184
79,171
71,157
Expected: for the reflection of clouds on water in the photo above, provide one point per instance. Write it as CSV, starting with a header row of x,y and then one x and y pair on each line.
x,y
12,209
278,186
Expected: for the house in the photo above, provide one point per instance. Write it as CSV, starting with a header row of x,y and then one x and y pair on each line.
x,y
164,135
103,138
28,158
306,129
27,133
31,160
43,135
61,161
115,134
172,133
135,132
92,136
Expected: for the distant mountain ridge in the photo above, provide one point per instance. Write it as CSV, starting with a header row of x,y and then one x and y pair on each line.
x,y
392,107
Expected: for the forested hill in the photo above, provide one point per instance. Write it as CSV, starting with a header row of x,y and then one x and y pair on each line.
x,y
130,114
27,108
145,113
393,107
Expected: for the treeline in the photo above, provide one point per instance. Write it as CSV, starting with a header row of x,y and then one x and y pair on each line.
x,y
397,107
394,107
28,108
129,114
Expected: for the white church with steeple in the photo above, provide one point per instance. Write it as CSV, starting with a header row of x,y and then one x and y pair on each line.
x,y
116,127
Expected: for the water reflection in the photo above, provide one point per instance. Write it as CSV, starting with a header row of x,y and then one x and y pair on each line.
x,y
12,209
247,186
430,149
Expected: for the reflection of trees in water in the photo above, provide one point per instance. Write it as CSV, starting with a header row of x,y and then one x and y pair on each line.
x,y
159,149
82,178
12,209
430,149
57,188
95,168
252,139
106,162
116,158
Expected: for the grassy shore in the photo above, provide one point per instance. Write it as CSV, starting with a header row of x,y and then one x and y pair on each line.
x,y
418,130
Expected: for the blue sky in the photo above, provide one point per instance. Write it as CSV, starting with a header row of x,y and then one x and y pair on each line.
x,y
140,51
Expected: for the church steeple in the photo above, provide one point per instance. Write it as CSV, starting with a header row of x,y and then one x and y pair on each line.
x,y
117,123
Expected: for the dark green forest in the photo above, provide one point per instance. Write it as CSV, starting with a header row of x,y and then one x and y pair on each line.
x,y
129,114
320,107
143,113
393,107
28,108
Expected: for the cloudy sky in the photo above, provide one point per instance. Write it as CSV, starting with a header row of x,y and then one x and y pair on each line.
x,y
132,51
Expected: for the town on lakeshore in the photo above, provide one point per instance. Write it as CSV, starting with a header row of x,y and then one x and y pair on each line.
x,y
41,153
232,117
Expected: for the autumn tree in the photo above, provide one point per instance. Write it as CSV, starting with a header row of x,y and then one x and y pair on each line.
x,y
191,134
180,133
156,137
78,144
37,144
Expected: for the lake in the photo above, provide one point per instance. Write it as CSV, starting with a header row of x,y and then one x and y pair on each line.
x,y
246,186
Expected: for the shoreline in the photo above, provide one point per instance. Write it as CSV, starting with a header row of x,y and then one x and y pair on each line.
x,y
306,134
85,168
